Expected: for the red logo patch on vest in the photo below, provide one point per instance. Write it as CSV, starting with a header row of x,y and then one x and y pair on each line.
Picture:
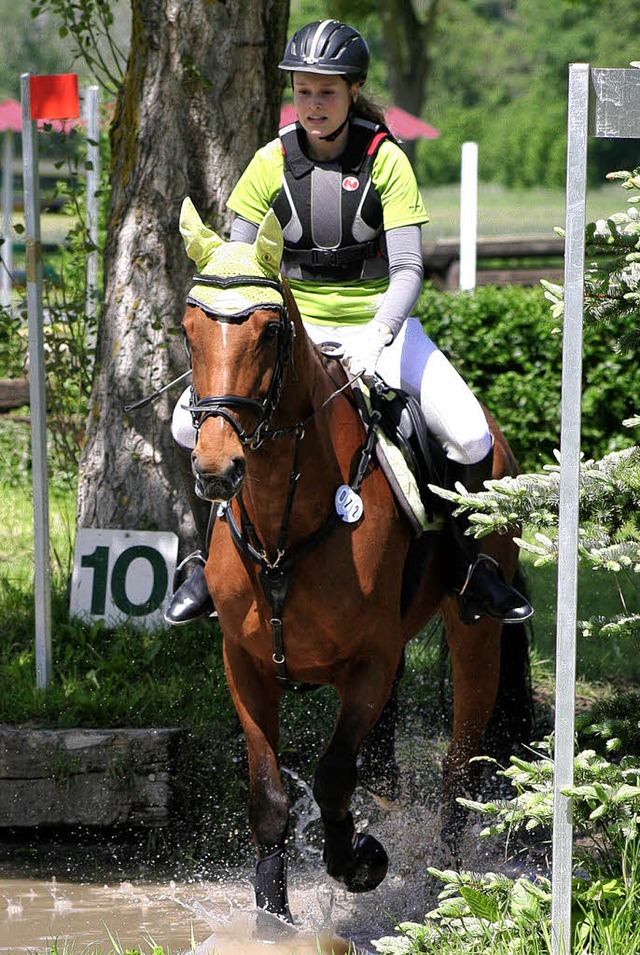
x,y
350,183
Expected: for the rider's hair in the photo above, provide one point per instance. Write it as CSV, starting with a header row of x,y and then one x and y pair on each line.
x,y
366,108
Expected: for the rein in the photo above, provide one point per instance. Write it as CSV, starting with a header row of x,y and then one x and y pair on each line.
x,y
274,575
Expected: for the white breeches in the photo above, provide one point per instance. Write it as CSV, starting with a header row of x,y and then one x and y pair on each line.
x,y
411,362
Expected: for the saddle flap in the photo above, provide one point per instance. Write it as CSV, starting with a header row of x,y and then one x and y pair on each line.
x,y
407,453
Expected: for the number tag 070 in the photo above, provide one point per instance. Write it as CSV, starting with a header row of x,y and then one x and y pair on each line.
x,y
349,506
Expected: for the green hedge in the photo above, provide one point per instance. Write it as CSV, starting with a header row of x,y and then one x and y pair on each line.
x,y
507,347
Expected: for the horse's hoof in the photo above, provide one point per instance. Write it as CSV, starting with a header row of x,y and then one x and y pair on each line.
x,y
369,867
273,927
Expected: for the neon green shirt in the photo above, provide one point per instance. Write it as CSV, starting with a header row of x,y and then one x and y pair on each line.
x,y
335,303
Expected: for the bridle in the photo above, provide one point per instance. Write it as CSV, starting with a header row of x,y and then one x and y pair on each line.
x,y
224,406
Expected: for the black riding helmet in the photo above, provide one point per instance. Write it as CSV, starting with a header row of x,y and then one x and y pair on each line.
x,y
327,47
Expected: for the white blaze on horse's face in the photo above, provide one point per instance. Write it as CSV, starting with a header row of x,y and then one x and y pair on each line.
x,y
234,333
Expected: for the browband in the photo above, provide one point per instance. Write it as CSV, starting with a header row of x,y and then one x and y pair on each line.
x,y
221,281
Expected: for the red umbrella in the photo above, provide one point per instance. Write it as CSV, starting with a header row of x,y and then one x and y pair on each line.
x,y
402,124
11,119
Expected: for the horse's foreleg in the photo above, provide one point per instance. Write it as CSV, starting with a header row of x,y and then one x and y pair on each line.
x,y
256,699
354,859
378,769
475,664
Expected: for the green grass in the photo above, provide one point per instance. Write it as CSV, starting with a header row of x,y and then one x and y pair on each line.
x,y
123,677
16,539
509,212
599,661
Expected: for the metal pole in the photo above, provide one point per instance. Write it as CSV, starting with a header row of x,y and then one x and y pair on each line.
x,y
6,267
468,215
93,181
37,393
577,129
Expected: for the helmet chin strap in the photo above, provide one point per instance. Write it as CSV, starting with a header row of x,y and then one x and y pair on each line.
x,y
334,135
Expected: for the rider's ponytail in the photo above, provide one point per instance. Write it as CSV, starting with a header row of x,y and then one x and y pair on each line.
x,y
365,108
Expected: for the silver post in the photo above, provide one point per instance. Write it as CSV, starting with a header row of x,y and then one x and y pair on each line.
x,y
37,393
6,267
578,110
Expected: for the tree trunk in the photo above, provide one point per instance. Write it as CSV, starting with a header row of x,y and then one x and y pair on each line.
x,y
201,93
408,42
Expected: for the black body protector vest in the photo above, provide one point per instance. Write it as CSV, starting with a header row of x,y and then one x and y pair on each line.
x,y
330,213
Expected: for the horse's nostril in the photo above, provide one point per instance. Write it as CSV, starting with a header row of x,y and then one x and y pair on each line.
x,y
218,483
237,471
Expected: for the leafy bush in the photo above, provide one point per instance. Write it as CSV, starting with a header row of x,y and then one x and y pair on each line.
x,y
504,343
13,345
69,327
491,912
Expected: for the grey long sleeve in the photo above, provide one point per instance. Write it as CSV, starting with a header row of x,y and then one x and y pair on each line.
x,y
404,250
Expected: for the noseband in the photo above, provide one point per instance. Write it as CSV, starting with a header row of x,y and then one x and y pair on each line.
x,y
223,406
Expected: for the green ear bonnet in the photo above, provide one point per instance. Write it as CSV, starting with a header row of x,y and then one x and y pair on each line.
x,y
213,256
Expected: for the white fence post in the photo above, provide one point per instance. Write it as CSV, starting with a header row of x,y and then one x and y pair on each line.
x,y
569,509
468,215
37,394
6,282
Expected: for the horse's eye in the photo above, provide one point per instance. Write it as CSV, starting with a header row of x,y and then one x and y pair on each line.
x,y
271,330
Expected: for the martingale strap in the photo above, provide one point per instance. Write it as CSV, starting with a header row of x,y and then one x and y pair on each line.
x,y
275,575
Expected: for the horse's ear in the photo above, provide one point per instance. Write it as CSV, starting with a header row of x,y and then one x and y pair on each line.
x,y
199,240
269,243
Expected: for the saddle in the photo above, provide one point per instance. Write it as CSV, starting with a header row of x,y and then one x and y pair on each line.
x,y
408,454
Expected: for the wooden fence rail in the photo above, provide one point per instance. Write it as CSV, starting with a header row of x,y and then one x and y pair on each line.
x,y
500,261
14,393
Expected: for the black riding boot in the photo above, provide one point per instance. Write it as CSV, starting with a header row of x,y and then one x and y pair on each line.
x,y
192,599
477,579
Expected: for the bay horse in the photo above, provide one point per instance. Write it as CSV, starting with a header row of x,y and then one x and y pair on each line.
x,y
304,596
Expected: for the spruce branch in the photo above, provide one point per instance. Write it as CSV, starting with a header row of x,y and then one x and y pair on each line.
x,y
612,278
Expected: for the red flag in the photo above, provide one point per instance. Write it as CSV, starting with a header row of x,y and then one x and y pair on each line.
x,y
54,97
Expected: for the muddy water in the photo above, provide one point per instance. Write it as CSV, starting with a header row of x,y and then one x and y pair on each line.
x,y
87,893
42,900
212,916
215,914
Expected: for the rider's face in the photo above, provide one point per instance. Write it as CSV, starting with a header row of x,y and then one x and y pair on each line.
x,y
321,102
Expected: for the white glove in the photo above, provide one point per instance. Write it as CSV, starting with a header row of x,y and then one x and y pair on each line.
x,y
362,351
